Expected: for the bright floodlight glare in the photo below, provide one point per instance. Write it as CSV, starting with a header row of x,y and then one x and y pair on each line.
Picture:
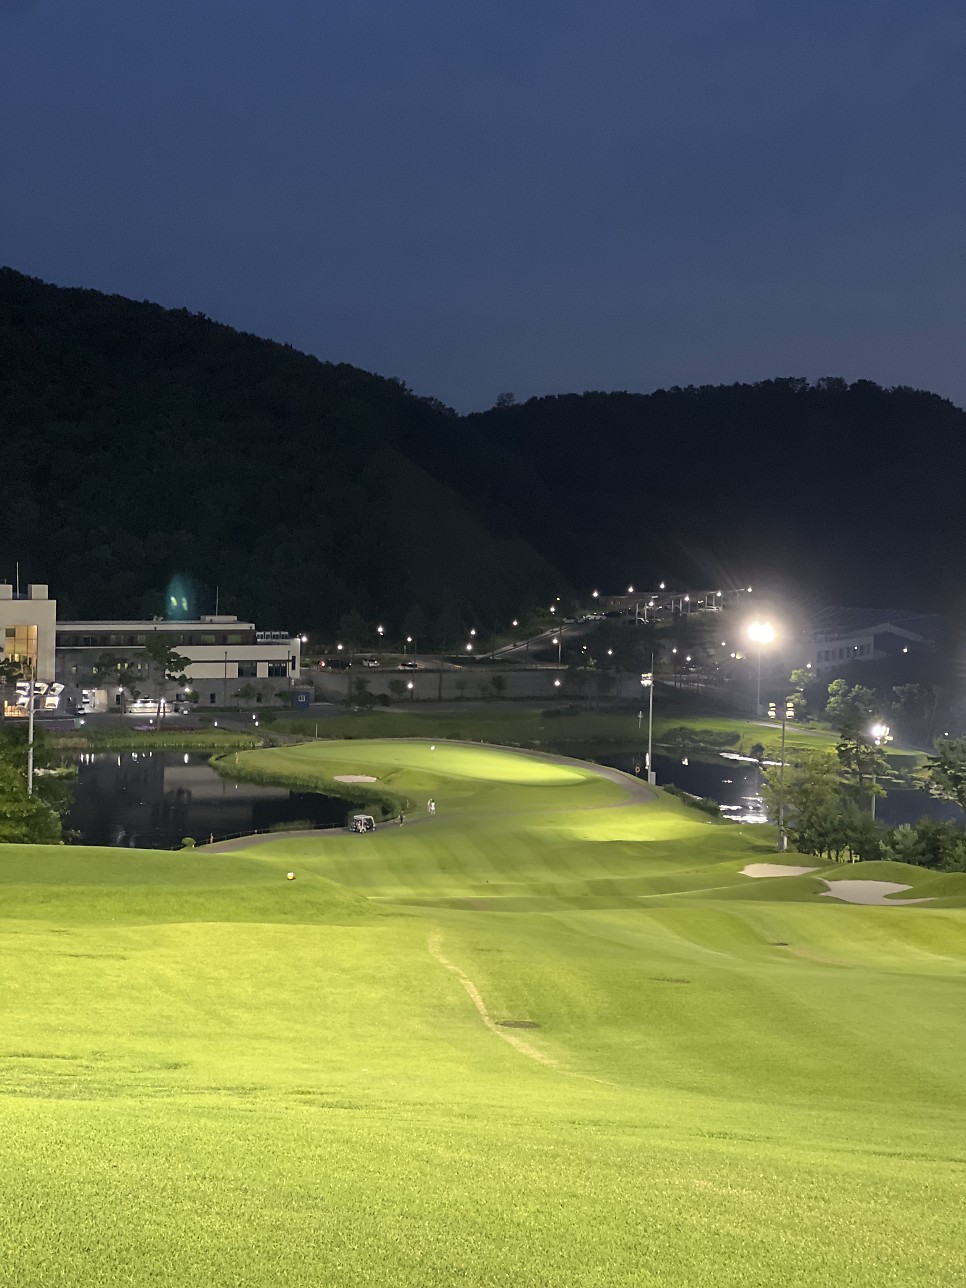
x,y
630,590
514,622
749,590
595,594
409,639
879,730
469,648
761,632
661,587
472,630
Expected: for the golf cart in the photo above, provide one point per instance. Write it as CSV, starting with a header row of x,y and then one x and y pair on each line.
x,y
362,823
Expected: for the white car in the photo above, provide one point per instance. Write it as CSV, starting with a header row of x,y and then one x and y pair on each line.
x,y
370,661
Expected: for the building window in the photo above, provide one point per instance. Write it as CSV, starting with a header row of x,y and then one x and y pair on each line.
x,y
247,670
211,699
277,670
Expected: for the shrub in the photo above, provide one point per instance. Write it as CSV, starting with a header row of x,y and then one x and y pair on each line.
x,y
188,843
704,803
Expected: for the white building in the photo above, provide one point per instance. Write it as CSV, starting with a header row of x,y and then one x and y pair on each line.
x,y
227,657
28,628
844,635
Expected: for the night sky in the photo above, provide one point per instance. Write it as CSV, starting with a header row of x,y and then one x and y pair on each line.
x,y
526,195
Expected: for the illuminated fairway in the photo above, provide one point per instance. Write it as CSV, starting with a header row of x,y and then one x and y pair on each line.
x,y
215,1076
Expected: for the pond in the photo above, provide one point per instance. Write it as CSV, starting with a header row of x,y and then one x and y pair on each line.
x,y
734,785
152,799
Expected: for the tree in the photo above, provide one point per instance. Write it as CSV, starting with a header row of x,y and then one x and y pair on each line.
x,y
850,708
946,771
813,807
505,399
24,818
904,845
863,762
498,685
915,709
361,694
808,692
165,666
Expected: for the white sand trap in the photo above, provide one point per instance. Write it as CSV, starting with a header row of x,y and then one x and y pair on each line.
x,y
871,893
774,870
354,778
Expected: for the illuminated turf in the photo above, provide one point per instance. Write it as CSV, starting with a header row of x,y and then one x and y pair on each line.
x,y
544,1038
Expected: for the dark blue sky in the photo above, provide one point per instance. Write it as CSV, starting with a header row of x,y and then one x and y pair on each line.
x,y
526,195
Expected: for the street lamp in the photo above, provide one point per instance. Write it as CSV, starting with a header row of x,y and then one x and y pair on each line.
x,y
647,679
881,735
559,643
412,690
787,714
760,633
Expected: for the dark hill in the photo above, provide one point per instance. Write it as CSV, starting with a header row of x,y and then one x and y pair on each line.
x,y
852,492
137,443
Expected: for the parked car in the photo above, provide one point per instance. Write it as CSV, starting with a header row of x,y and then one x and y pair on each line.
x,y
408,666
370,661
335,663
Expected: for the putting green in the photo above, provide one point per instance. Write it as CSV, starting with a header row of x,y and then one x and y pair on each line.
x,y
550,1036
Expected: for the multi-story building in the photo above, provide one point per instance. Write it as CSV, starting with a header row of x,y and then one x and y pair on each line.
x,y
27,629
229,661
842,635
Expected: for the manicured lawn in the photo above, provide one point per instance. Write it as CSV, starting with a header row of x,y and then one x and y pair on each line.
x,y
214,1075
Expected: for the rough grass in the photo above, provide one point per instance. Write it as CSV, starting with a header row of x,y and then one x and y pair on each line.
x,y
211,1075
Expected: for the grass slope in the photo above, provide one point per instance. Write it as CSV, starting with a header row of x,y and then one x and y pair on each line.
x,y
214,1075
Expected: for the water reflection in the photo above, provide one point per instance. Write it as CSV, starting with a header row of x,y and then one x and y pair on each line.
x,y
734,781
155,799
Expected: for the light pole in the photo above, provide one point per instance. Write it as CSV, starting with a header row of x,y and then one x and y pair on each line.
x,y
760,633
559,643
648,681
30,732
881,735
787,714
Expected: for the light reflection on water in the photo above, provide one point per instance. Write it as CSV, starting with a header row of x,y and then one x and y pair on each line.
x,y
154,799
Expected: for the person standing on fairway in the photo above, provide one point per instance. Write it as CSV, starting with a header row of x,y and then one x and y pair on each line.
x,y
431,806
402,818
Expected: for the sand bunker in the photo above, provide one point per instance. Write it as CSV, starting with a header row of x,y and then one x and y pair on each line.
x,y
774,870
354,778
871,893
